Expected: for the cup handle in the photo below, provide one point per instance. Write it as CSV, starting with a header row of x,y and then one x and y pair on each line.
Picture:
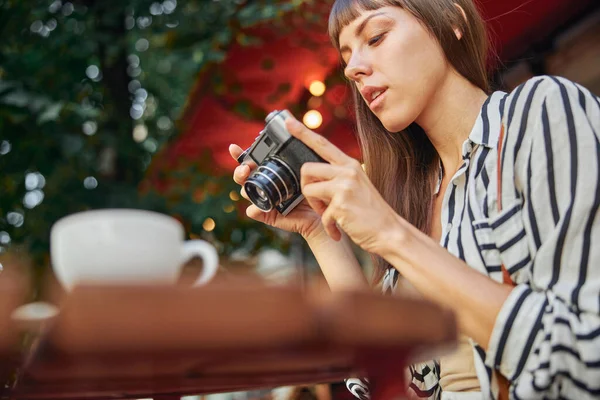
x,y
207,252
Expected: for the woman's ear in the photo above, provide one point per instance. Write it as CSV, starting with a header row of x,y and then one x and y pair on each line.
x,y
457,31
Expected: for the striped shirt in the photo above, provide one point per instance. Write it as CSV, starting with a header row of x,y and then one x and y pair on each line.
x,y
546,338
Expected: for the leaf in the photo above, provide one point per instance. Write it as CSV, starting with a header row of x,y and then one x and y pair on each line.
x,y
51,113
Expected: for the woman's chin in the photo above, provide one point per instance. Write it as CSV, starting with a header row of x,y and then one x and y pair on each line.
x,y
393,125
393,119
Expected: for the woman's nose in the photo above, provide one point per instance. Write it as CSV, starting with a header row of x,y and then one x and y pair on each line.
x,y
357,68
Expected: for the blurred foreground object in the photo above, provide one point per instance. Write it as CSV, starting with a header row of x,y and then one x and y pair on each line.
x,y
173,341
13,291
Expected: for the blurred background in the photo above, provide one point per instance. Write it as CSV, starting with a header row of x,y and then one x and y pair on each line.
x,y
133,103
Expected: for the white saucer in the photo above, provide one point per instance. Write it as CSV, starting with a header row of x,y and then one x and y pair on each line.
x,y
33,315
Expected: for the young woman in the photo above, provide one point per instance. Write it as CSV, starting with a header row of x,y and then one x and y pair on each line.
x,y
486,203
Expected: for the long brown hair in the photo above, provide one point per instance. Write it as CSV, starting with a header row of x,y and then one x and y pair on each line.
x,y
404,166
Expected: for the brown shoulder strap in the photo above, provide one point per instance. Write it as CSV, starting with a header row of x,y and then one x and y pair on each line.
x,y
505,275
503,383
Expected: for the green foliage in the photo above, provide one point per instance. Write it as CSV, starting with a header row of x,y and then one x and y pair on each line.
x,y
79,80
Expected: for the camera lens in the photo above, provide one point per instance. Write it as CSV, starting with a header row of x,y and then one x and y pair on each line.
x,y
272,183
259,197
262,195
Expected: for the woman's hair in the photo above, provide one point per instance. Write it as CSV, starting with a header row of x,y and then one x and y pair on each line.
x,y
404,166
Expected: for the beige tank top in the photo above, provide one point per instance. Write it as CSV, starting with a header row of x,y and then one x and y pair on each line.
x,y
457,370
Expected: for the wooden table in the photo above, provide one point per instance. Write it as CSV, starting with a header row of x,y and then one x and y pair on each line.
x,y
165,342
12,294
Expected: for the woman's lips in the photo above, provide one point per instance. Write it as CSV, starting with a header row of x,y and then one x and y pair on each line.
x,y
377,102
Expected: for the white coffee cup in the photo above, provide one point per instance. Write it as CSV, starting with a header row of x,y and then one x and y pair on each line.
x,y
125,246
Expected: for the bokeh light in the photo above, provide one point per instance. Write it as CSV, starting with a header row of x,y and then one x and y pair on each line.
x,y
90,183
313,119
142,45
33,198
93,72
140,133
317,88
89,127
150,145
16,219
209,224
34,180
5,147
4,238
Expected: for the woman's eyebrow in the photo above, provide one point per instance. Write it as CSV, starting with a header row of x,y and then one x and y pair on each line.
x,y
360,28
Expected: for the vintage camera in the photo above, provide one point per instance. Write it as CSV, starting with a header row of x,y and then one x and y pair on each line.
x,y
276,181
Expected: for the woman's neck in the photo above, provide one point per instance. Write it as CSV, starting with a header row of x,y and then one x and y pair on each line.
x,y
450,117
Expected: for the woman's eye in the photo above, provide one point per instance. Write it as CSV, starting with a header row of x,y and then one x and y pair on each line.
x,y
374,40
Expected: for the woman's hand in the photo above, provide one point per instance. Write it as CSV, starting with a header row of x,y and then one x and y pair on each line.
x,y
342,194
302,219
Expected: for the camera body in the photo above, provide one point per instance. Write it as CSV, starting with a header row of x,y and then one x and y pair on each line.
x,y
275,183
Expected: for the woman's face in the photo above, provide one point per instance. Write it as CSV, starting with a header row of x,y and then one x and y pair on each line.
x,y
396,64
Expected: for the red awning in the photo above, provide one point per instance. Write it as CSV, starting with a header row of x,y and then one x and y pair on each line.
x,y
273,72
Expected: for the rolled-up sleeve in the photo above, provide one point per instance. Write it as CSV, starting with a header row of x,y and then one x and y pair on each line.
x,y
546,338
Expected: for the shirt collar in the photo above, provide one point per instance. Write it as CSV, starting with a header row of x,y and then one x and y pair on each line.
x,y
485,132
